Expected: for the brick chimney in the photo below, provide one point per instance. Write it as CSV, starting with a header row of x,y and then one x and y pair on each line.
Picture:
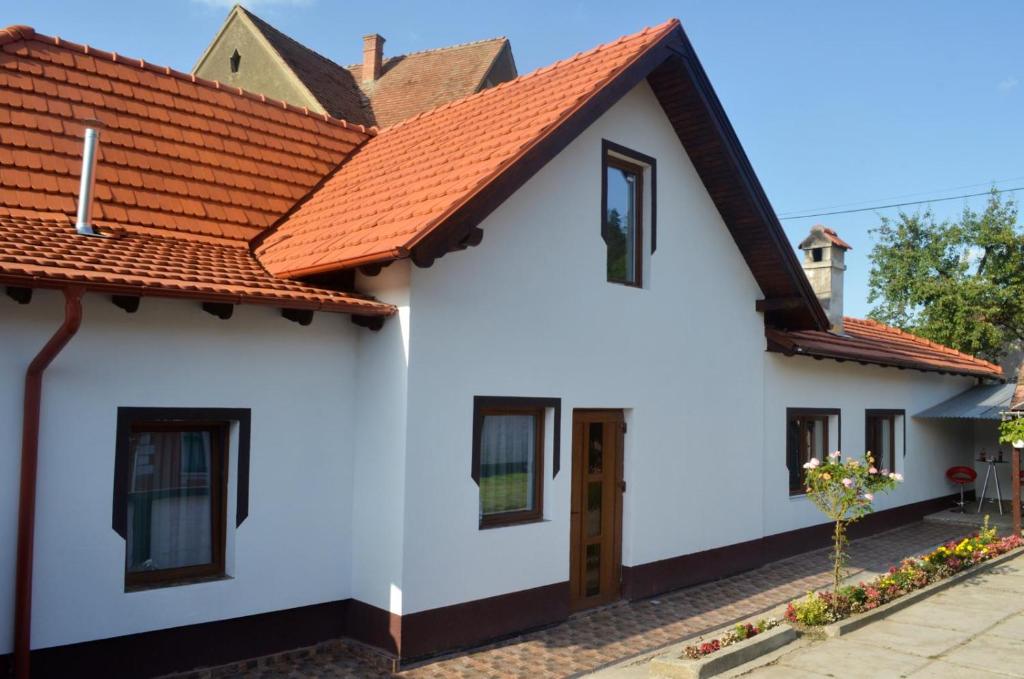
x,y
373,57
824,252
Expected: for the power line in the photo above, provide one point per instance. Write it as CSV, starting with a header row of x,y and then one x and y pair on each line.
x,y
857,203
913,202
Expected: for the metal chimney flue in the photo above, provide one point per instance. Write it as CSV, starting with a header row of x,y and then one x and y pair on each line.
x,y
83,224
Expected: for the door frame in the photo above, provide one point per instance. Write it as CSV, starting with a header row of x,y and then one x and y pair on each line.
x,y
581,417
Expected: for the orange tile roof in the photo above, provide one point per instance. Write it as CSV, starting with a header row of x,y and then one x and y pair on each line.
x,y
178,154
407,180
43,250
188,173
867,341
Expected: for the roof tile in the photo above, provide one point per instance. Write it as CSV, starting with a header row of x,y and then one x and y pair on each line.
x,y
159,126
869,341
370,210
44,250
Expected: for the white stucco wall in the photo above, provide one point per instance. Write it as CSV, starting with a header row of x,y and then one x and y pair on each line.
x,y
378,497
932,446
294,548
529,313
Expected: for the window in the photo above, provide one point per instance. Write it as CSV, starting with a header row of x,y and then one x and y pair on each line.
x,y
625,173
235,61
511,462
171,490
809,433
176,499
623,225
880,436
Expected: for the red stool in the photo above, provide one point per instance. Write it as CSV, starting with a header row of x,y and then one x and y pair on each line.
x,y
962,476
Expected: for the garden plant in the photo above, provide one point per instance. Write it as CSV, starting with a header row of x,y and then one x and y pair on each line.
x,y
823,608
844,491
738,633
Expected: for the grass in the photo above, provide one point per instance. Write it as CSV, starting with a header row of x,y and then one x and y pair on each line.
x,y
504,492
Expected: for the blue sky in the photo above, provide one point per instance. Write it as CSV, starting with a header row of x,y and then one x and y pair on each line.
x,y
837,104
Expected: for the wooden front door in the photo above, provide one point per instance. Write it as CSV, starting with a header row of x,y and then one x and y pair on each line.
x,y
596,559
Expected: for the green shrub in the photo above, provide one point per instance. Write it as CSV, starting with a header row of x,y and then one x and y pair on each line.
x,y
812,611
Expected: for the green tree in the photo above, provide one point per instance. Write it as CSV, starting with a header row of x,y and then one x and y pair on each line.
x,y
960,283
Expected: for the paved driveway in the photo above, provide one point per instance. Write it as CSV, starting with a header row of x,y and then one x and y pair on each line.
x,y
589,641
973,630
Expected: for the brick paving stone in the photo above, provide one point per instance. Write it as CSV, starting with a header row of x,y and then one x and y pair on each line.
x,y
591,640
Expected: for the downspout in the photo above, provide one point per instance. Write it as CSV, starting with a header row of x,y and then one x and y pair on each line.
x,y
29,466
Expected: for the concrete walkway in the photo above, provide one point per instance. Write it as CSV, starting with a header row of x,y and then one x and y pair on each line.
x,y
974,629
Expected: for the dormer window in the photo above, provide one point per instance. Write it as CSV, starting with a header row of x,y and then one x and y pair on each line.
x,y
235,60
622,213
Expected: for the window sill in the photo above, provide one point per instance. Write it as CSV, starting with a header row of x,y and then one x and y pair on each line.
x,y
129,589
798,496
511,524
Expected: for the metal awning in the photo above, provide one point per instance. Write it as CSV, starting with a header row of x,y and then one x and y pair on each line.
x,y
985,402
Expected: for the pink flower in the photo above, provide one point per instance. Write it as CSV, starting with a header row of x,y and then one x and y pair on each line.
x,y
873,470
812,464
869,497
848,482
834,454
898,477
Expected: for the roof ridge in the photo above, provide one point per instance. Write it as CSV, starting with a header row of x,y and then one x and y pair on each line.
x,y
931,343
414,53
535,72
15,33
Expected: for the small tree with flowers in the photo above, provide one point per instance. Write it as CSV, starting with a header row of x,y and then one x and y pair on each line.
x,y
843,491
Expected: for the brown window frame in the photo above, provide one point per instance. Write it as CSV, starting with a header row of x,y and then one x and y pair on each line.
x,y
892,415
824,414
614,155
493,408
219,443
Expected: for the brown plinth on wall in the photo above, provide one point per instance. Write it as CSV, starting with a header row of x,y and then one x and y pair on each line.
x,y
426,633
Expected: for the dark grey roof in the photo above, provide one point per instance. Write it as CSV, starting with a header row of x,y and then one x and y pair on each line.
x,y
984,402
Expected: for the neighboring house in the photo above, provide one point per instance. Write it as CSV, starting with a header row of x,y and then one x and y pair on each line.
x,y
582,363
248,52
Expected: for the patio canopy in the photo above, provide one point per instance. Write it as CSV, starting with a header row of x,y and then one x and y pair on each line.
x,y
984,402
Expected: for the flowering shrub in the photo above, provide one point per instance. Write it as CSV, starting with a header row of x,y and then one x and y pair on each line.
x,y
735,635
844,491
822,608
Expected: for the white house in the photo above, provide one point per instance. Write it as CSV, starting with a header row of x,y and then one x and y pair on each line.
x,y
581,365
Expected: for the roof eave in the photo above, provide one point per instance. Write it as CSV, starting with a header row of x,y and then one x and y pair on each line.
x,y
779,342
365,308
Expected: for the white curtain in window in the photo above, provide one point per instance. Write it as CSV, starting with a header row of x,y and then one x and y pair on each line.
x,y
507,463
169,507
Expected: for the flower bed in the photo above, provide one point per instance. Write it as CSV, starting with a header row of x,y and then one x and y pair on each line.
x,y
735,635
823,608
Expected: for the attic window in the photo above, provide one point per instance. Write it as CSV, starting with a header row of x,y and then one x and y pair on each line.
x,y
236,59
622,227
628,205
817,254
